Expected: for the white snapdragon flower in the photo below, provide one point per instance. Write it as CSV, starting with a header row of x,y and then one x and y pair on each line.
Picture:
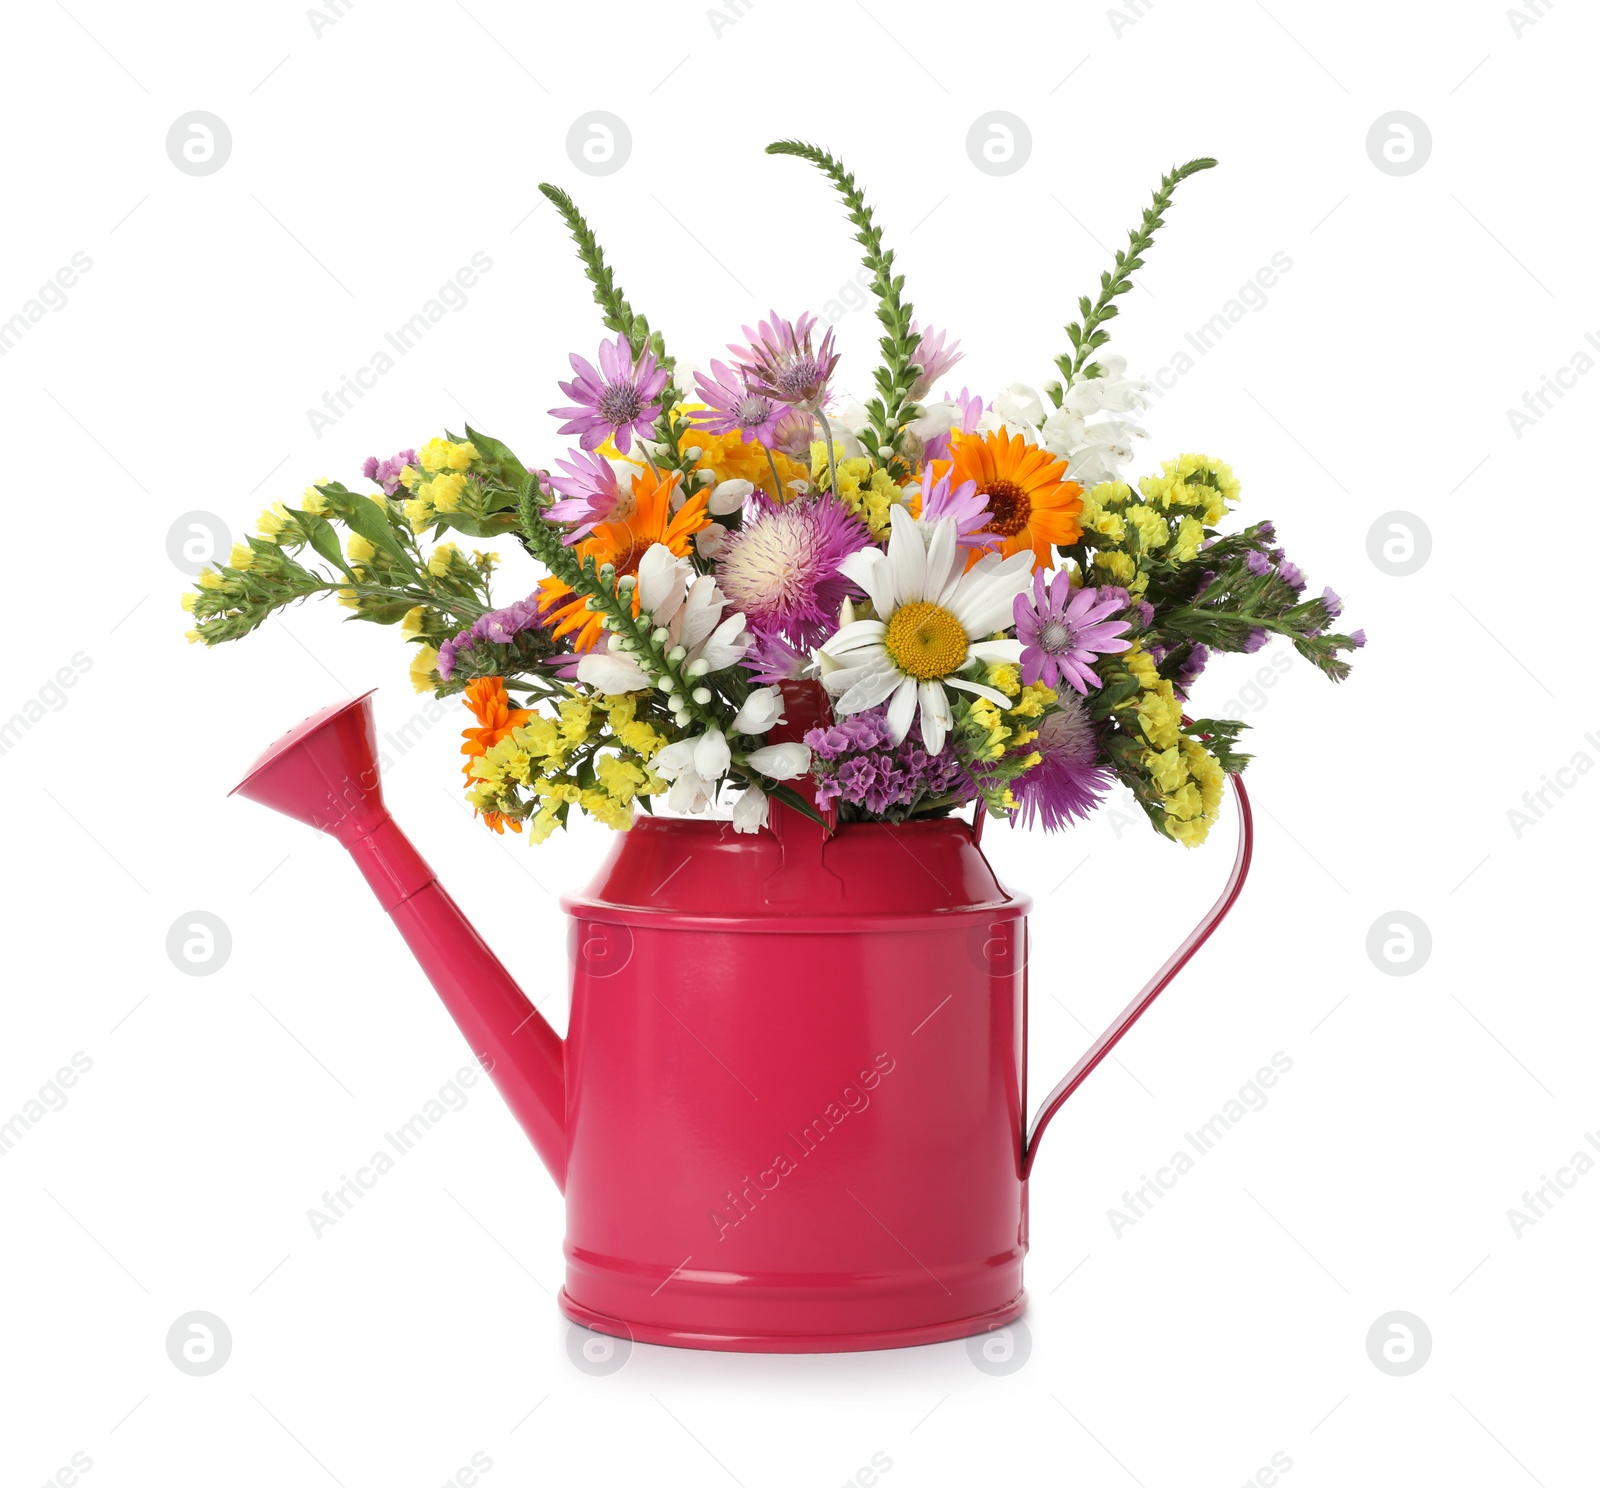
x,y
1113,391
779,761
762,708
750,810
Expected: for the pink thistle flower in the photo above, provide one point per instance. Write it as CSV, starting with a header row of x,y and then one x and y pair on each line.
x,y
781,568
964,506
933,359
1061,629
780,363
619,400
733,408
1066,785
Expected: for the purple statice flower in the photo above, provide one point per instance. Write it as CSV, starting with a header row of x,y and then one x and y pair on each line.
x,y
772,659
1146,613
933,359
387,472
779,361
1205,583
499,627
1332,604
1358,638
781,568
963,505
733,408
857,764
591,491
615,402
1254,641
1258,564
1290,572
1066,785
1266,531
1061,629
1193,664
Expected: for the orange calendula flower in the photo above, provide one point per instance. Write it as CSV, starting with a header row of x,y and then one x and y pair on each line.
x,y
622,543
491,706
1032,503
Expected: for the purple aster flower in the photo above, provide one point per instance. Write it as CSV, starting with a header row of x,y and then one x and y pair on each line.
x,y
1066,785
387,472
499,627
591,491
1254,641
615,402
1358,638
732,408
963,505
1258,564
781,568
933,359
780,363
1332,604
1061,629
772,659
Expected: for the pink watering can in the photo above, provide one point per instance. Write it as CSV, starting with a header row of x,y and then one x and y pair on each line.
x,y
790,1111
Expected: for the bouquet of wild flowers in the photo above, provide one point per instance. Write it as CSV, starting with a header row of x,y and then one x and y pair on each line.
x,y
995,615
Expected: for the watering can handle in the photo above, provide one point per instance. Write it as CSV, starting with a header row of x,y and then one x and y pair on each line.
x,y
1148,994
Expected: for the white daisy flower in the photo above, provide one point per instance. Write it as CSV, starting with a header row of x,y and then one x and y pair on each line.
x,y
934,622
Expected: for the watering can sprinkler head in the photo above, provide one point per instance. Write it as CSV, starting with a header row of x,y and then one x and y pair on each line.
x,y
324,772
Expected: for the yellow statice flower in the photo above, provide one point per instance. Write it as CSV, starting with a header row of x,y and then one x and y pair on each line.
x,y
423,677
444,492
1004,677
439,561
419,512
1034,699
1186,543
867,492
359,549
314,501
988,717
273,520
210,579
411,622
1160,715
1151,528
442,454
241,557
189,597
1119,565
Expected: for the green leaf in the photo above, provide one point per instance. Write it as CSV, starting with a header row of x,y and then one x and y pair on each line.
x,y
326,541
360,514
497,458
794,801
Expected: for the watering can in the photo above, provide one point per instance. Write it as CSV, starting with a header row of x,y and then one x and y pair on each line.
x,y
790,1111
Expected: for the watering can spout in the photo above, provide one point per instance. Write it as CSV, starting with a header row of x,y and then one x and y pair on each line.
x,y
324,772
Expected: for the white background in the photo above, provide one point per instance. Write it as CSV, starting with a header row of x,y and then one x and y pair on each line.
x,y
370,159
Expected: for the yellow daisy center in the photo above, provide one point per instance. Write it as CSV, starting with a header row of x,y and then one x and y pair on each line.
x,y
925,640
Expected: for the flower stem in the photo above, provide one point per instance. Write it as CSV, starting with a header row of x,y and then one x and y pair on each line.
x,y
827,435
777,484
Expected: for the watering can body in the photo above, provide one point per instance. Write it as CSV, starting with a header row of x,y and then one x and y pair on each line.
x,y
790,1111
795,1101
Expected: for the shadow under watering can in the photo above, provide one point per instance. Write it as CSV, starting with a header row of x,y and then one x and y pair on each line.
x,y
790,1111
